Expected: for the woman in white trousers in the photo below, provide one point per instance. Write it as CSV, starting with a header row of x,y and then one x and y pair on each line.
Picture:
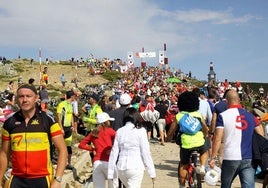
x,y
100,141
130,155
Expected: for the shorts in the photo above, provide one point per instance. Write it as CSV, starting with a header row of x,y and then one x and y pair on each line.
x,y
76,119
264,162
161,124
148,125
186,153
68,137
42,182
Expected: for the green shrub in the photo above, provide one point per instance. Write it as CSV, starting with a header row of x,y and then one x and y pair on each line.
x,y
112,75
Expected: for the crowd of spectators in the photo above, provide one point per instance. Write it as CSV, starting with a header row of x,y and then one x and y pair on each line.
x,y
142,88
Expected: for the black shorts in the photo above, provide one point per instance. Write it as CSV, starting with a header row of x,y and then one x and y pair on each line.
x,y
67,131
148,125
16,182
264,162
76,119
186,153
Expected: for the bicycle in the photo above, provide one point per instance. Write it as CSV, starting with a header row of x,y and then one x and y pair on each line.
x,y
193,172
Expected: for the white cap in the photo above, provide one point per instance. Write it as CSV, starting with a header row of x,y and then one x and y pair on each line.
x,y
103,117
212,177
125,99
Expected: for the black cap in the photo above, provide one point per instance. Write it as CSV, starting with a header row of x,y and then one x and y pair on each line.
x,y
95,97
69,94
27,86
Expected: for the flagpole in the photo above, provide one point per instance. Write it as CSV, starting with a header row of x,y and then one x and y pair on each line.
x,y
40,65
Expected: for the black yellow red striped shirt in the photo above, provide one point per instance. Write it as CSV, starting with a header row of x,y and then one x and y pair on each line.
x,y
30,144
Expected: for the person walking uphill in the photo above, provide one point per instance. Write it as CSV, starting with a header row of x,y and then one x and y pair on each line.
x,y
27,134
124,101
130,154
161,122
102,138
65,120
236,126
193,133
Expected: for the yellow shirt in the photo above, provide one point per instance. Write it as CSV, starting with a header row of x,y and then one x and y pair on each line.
x,y
66,113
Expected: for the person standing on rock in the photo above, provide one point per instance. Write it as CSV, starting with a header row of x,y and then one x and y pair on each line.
x,y
65,119
100,140
90,118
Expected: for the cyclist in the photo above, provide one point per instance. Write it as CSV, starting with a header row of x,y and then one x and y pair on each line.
x,y
188,103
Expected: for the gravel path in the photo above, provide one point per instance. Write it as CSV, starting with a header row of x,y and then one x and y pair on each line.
x,y
165,159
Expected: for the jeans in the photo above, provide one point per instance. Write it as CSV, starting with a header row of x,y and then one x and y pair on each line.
x,y
242,168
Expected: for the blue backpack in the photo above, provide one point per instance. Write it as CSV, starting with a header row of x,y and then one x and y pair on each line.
x,y
189,124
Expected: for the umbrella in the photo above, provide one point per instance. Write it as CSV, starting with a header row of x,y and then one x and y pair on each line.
x,y
173,80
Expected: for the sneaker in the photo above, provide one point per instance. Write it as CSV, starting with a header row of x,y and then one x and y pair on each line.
x,y
202,172
152,140
69,167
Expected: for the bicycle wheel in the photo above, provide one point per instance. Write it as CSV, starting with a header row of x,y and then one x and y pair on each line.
x,y
196,176
197,179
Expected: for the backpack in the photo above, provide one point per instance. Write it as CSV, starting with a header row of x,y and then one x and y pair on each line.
x,y
188,127
189,124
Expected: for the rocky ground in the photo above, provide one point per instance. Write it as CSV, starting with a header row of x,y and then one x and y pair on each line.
x,y
166,162
54,72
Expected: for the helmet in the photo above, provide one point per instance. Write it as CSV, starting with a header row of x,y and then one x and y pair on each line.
x,y
212,176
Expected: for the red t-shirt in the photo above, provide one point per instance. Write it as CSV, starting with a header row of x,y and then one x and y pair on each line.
x,y
102,144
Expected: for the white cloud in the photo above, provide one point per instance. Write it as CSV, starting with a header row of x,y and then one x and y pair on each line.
x,y
215,17
65,28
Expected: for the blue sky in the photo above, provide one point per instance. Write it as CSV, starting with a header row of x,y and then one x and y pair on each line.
x,y
231,34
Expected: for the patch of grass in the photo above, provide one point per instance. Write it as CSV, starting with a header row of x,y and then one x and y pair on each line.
x,y
65,63
6,78
8,62
19,67
112,75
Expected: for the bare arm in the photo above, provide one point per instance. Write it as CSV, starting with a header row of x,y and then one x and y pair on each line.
x,y
4,154
204,127
213,123
62,158
172,130
216,145
259,130
59,120
83,108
